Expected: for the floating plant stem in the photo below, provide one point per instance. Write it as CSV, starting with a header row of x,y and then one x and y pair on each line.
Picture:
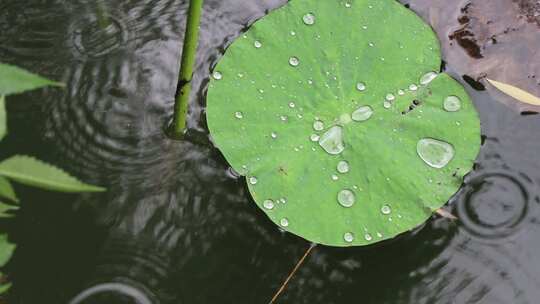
x,y
189,51
295,269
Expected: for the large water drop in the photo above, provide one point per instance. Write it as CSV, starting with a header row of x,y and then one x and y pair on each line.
x,y
427,78
332,141
346,198
434,152
452,104
362,114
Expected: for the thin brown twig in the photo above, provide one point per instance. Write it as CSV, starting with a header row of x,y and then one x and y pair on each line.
x,y
289,277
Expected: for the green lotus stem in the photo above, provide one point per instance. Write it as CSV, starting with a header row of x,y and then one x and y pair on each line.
x,y
189,51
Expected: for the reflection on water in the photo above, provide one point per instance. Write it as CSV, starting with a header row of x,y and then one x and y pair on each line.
x,y
177,224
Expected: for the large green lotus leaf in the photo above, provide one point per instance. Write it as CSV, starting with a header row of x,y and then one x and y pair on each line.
x,y
290,107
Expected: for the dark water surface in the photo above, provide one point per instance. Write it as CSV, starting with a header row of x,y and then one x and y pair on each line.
x,y
179,225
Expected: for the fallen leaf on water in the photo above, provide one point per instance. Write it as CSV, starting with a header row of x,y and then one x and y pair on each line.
x,y
516,92
446,214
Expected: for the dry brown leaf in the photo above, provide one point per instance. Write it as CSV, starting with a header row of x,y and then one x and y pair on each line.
x,y
516,92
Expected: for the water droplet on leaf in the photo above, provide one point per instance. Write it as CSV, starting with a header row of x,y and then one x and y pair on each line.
x,y
452,104
390,97
348,237
427,78
343,167
239,115
346,198
284,222
435,153
268,204
332,141
362,114
253,180
318,125
309,19
386,209
217,75
361,86
294,61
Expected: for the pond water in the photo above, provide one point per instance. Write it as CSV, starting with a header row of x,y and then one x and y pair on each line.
x,y
180,226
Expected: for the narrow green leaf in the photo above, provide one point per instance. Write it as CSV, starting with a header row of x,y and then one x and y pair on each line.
x,y
32,172
4,287
6,249
15,80
5,208
6,190
3,117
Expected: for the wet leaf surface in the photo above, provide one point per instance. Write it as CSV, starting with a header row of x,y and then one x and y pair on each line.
x,y
364,115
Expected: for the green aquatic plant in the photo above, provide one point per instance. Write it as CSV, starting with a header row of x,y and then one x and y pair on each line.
x,y
338,117
24,169
189,51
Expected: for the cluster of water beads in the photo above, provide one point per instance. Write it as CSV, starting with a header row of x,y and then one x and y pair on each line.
x,y
435,153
